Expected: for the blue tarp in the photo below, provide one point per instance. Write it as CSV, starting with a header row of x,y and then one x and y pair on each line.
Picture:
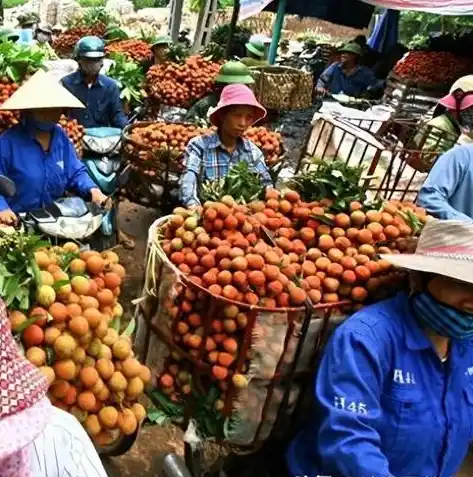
x,y
385,32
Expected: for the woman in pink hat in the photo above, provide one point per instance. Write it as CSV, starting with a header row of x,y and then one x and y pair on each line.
x,y
453,117
37,439
210,157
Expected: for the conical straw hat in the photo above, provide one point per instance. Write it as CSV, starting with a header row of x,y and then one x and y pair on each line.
x,y
41,91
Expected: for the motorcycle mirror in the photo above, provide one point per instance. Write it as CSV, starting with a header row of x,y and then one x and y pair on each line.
x,y
7,187
124,175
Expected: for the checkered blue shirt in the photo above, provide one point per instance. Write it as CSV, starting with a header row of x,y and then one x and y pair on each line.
x,y
207,160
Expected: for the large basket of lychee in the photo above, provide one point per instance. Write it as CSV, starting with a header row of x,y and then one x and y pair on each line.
x,y
244,297
158,147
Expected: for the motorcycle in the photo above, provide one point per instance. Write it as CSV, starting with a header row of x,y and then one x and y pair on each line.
x,y
103,162
68,218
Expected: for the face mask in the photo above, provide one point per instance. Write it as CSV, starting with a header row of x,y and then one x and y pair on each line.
x,y
91,68
33,124
443,319
466,119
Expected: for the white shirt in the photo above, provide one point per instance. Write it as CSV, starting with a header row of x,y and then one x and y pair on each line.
x,y
64,450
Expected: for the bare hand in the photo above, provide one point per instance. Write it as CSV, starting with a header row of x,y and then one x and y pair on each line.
x,y
8,217
321,91
100,199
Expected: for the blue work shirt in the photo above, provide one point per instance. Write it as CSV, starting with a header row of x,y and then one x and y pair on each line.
x,y
385,403
447,192
336,81
104,107
40,177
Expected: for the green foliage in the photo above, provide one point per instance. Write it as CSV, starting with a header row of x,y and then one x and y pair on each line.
x,y
92,17
139,4
17,61
19,273
130,78
115,33
92,3
240,39
415,27
177,53
331,179
240,183
13,3
213,52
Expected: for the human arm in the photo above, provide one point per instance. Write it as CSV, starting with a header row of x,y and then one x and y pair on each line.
x,y
118,118
442,182
188,189
323,83
348,391
7,216
77,176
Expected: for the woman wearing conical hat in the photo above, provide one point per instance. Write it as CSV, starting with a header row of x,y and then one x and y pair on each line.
x,y
37,154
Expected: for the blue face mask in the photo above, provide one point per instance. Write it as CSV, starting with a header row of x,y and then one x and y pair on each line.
x,y
33,124
443,319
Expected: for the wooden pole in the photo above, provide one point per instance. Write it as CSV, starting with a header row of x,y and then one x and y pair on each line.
x,y
233,22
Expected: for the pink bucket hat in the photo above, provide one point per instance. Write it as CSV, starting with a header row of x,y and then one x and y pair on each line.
x,y
24,408
237,95
460,95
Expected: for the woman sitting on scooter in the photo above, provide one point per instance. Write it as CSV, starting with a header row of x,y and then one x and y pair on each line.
x,y
210,157
37,154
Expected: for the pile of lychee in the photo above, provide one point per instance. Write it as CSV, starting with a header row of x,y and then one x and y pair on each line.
x,y
315,255
277,253
91,369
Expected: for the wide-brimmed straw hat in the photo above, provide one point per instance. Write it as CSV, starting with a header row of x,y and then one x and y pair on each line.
x,y
445,247
237,95
41,91
460,95
22,388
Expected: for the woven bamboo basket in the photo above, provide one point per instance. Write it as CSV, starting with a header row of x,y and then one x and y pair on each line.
x,y
283,88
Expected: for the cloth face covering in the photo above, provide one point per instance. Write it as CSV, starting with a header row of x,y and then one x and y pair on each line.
x,y
91,68
466,119
33,124
443,319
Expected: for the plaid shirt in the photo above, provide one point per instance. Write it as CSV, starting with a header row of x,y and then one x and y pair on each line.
x,y
207,160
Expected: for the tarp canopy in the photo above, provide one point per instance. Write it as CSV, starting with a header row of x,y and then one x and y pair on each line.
x,y
352,13
440,7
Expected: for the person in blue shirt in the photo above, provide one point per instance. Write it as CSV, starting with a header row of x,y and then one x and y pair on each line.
x,y
394,391
347,76
99,93
37,154
447,192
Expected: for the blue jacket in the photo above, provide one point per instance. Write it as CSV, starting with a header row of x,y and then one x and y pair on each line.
x,y
40,177
447,192
102,101
335,81
386,404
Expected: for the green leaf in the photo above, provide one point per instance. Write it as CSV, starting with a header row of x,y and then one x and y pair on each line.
x,y
157,416
130,329
60,283
30,321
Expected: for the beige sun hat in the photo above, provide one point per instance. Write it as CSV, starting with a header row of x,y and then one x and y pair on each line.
x,y
41,91
445,247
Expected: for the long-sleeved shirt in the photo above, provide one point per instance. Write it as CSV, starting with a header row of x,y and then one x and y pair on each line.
x,y
447,192
385,403
207,160
40,176
200,110
102,100
64,449
336,81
